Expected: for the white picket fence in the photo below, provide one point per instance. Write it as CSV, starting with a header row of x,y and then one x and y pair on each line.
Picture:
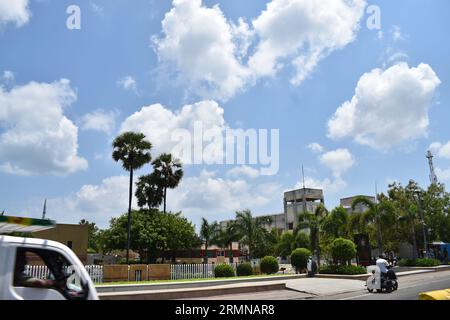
x,y
193,271
42,272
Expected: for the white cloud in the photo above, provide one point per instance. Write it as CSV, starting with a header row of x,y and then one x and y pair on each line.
x,y
7,76
443,174
217,198
338,161
128,83
36,137
96,8
98,203
15,11
396,33
99,120
159,123
329,186
315,147
198,44
390,107
210,55
441,150
243,171
304,32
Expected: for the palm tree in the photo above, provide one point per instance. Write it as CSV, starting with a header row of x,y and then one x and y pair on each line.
x,y
313,221
226,236
250,228
169,172
133,151
378,213
148,191
208,233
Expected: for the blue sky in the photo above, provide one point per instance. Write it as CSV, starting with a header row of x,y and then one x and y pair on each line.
x,y
127,58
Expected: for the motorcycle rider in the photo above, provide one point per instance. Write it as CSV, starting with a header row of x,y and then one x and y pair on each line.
x,y
383,265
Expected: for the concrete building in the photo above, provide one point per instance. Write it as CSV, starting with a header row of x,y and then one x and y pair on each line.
x,y
347,204
295,202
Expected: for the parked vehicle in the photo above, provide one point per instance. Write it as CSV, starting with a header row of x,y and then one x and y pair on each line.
x,y
66,279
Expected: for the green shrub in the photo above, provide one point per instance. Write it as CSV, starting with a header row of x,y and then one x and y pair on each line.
x,y
302,240
223,271
342,250
346,270
419,262
269,265
299,258
244,269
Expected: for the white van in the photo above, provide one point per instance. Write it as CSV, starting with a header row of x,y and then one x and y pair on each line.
x,y
64,278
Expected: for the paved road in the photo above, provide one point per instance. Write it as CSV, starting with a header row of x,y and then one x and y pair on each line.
x,y
409,289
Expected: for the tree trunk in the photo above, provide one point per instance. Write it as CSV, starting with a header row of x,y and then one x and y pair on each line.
x,y
165,192
129,216
205,258
318,248
231,253
413,233
379,237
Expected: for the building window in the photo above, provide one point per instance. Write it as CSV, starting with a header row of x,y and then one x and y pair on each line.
x,y
69,244
291,226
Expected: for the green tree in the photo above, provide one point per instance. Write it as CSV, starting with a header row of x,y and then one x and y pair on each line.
x,y
335,225
93,234
208,233
299,258
226,236
133,151
251,230
285,244
313,222
379,214
168,172
149,193
342,250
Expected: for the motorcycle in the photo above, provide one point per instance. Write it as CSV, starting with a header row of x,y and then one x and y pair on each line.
x,y
386,282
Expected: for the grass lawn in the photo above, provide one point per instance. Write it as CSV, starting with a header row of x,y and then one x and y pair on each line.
x,y
188,280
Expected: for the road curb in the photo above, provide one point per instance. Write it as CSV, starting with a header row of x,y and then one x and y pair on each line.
x,y
189,285
365,276
190,293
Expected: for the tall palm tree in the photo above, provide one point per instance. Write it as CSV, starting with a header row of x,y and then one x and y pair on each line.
x,y
169,172
378,213
313,221
133,151
208,233
250,228
226,236
148,191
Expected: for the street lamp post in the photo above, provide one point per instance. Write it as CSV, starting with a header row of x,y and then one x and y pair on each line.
x,y
424,231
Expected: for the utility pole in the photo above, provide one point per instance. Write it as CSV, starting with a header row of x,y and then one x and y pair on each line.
x,y
433,177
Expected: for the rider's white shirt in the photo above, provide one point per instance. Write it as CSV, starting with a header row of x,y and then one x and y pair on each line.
x,y
382,264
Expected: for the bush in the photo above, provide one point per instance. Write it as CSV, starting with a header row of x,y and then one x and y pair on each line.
x,y
419,263
223,271
346,270
302,240
299,258
342,250
244,269
269,265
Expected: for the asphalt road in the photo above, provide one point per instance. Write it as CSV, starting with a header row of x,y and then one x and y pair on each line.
x,y
409,289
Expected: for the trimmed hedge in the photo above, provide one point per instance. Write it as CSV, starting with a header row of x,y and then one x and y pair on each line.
x,y
342,250
345,270
269,265
419,262
299,258
223,271
244,269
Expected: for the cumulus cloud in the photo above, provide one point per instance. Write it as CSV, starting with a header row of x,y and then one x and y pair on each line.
x,y
443,174
210,55
36,137
198,42
97,203
304,32
99,120
390,107
441,150
338,161
243,171
329,186
7,77
161,127
16,12
128,83
315,147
